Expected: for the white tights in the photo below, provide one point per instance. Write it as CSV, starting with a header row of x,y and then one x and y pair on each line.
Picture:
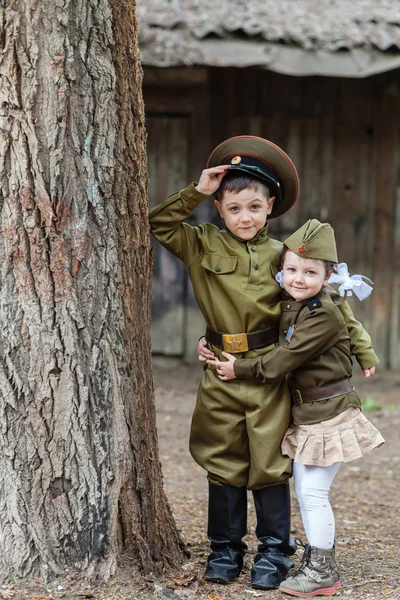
x,y
312,485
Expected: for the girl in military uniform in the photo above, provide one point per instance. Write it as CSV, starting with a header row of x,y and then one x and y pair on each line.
x,y
237,429
327,427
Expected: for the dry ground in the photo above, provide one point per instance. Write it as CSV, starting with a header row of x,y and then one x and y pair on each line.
x,y
365,498
365,494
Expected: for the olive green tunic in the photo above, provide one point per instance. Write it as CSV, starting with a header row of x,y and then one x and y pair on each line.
x,y
237,427
317,353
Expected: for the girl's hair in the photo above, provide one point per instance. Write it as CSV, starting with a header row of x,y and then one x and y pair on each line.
x,y
237,181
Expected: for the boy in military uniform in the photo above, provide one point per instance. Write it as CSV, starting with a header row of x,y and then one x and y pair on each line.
x,y
237,429
328,427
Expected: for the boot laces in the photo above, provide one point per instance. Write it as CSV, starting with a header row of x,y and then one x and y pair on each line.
x,y
305,559
333,566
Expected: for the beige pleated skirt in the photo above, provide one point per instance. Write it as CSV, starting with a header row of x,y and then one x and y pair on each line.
x,y
342,438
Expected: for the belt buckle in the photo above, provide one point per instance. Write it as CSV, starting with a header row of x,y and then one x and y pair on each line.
x,y
297,397
235,343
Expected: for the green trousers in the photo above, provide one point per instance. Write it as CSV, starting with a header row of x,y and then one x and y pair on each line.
x,y
237,429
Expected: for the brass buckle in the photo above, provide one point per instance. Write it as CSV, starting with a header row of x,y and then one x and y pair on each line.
x,y
235,343
297,397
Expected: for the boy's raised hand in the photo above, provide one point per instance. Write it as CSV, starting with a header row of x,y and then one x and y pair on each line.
x,y
224,369
210,179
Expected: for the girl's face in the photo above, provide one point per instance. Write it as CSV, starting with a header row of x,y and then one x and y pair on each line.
x,y
303,278
246,212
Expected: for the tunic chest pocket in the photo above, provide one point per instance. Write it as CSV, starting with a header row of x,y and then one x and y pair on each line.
x,y
219,264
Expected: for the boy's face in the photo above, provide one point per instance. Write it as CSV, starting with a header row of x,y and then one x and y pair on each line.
x,y
303,278
245,212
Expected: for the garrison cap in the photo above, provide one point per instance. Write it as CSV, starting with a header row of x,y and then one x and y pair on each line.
x,y
314,240
263,160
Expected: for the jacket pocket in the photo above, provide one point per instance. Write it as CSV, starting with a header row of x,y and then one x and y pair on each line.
x,y
219,264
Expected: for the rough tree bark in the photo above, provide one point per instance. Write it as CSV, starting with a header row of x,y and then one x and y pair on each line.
x,y
80,478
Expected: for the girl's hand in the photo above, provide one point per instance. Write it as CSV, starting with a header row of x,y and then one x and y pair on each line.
x,y
210,179
204,352
369,372
224,369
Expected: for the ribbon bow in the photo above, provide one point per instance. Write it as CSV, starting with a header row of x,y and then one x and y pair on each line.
x,y
354,283
279,278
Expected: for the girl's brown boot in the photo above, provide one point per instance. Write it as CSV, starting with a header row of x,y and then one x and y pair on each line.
x,y
317,575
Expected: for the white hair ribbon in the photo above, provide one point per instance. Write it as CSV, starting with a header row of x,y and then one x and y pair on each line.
x,y
279,278
356,284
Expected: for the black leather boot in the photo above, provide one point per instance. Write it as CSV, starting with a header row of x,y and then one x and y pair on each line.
x,y
227,525
271,563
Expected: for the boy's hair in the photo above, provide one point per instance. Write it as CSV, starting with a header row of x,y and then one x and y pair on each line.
x,y
236,182
329,266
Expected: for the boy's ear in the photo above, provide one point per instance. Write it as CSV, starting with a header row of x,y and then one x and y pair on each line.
x,y
271,202
218,205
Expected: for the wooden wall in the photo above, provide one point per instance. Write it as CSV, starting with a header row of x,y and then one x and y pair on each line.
x,y
343,136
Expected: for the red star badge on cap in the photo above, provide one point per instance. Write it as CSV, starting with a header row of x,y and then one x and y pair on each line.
x,y
302,250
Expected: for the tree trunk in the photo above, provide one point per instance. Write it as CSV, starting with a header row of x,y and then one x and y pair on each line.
x,y
80,479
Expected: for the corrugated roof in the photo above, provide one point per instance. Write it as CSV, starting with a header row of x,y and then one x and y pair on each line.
x,y
174,32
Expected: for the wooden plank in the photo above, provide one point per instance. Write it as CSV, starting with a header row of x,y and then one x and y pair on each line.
x,y
237,126
394,355
246,91
175,76
311,157
198,152
363,223
288,223
345,165
167,150
223,103
160,102
384,259
350,208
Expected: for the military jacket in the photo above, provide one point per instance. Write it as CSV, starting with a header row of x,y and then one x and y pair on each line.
x,y
233,280
314,351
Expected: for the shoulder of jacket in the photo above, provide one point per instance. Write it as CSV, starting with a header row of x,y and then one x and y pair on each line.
x,y
323,307
326,310
314,303
276,244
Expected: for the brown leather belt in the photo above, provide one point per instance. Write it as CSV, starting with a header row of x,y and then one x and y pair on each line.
x,y
316,394
241,342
